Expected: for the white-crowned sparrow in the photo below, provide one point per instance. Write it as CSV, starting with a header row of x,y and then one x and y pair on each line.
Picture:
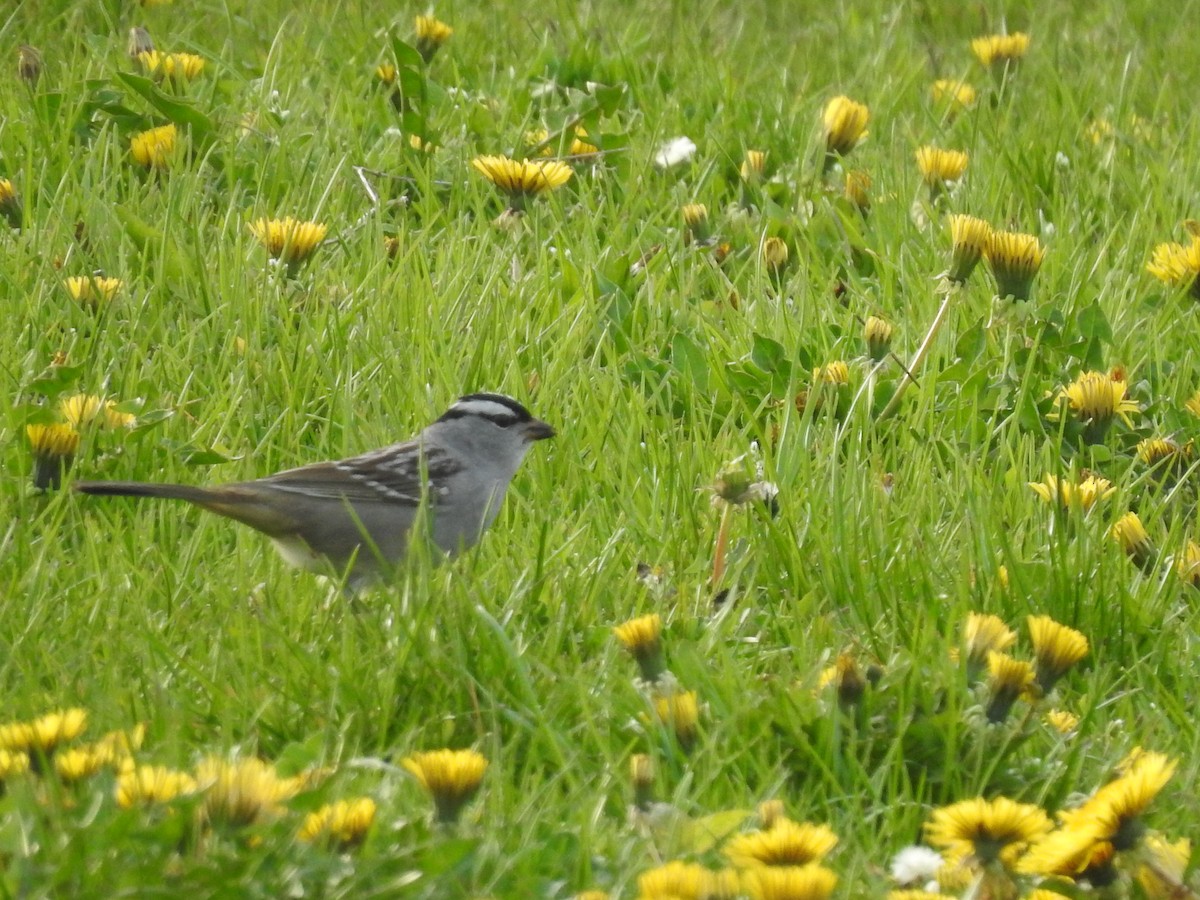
x,y
357,513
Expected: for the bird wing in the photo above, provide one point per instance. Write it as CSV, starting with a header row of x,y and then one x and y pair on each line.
x,y
402,473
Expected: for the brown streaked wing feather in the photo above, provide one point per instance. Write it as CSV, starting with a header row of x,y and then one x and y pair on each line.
x,y
391,475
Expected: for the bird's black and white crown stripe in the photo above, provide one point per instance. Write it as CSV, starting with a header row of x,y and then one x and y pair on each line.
x,y
496,408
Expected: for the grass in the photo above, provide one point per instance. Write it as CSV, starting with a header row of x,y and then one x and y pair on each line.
x,y
600,316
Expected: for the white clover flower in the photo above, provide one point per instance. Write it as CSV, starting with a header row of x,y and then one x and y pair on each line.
x,y
916,865
675,152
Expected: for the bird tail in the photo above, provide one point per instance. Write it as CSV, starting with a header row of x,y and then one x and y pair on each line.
x,y
197,495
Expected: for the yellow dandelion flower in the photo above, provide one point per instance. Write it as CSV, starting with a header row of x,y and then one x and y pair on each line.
x,y
1160,873
1067,853
1062,721
939,167
78,763
92,291
176,67
385,74
12,762
54,447
754,165
242,792
84,410
845,122
1115,811
289,240
342,825
878,335
774,254
1164,452
695,218
987,830
680,712
1083,495
642,638
10,203
1014,259
431,34
1008,679
450,777
1096,398
155,148
984,634
1177,265
1056,649
1130,533
958,94
682,880
152,785
857,189
519,181
787,843
998,49
969,239
835,373
1188,564
811,882
1192,404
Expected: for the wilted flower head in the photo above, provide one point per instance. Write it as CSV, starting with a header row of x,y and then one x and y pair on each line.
x,y
1059,492
998,49
29,64
431,34
175,67
1130,533
10,203
940,167
774,254
139,42
342,825
969,238
1008,679
642,637
152,785
1014,259
450,777
1056,648
1177,265
92,291
520,180
54,448
289,240
1096,398
845,122
641,774
958,94
845,677
153,149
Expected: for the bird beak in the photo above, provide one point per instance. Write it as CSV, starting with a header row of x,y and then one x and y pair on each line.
x,y
537,430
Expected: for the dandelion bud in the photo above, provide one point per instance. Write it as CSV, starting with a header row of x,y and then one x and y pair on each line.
x,y
642,638
10,203
1131,535
431,34
695,217
641,774
858,189
878,335
1014,259
139,42
1056,648
1008,679
969,238
845,124
753,166
774,254
54,448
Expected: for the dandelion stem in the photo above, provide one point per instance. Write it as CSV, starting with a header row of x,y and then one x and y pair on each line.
x,y
918,358
722,546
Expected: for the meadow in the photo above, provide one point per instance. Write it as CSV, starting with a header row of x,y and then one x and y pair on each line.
x,y
868,330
